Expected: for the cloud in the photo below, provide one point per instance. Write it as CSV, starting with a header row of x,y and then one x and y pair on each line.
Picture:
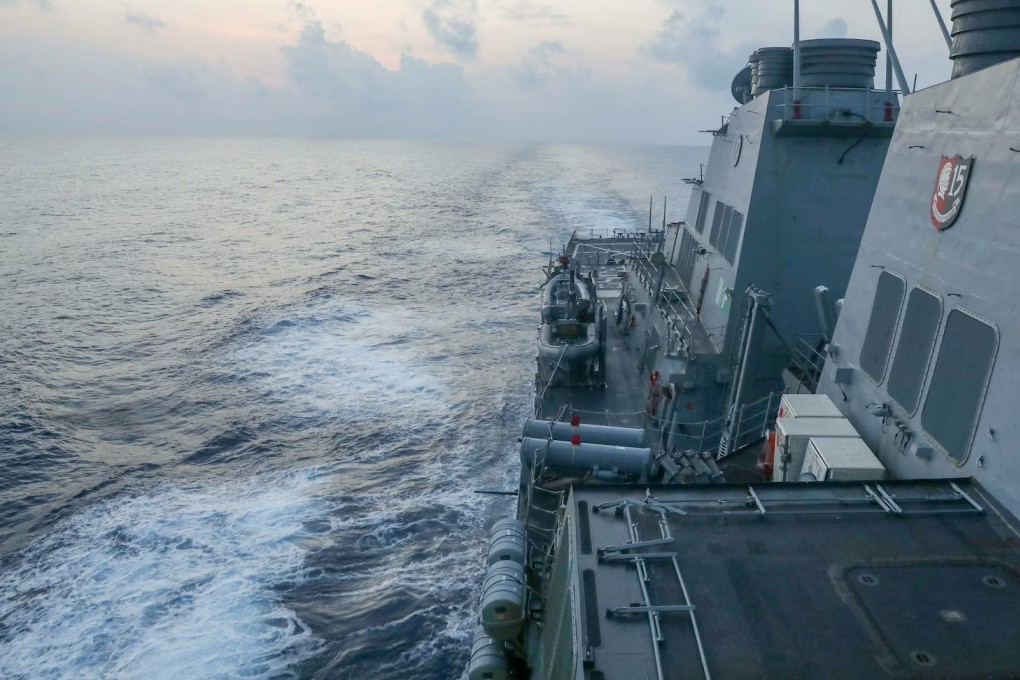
x,y
48,5
351,93
332,89
146,22
451,23
833,28
301,10
184,82
526,10
692,41
540,64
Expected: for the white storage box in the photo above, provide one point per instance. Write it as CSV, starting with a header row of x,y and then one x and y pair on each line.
x,y
792,435
808,406
841,459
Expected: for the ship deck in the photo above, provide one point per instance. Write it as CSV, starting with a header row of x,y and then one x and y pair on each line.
x,y
895,579
622,402
622,268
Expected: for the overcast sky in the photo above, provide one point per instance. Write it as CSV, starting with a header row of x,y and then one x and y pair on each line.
x,y
593,70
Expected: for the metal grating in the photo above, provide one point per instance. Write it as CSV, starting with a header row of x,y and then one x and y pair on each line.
x,y
596,675
584,527
591,608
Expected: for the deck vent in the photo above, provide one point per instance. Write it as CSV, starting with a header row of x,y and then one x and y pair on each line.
x,y
584,527
985,33
838,62
771,69
994,582
591,608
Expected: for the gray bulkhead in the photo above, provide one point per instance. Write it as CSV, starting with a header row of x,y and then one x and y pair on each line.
x,y
964,390
803,196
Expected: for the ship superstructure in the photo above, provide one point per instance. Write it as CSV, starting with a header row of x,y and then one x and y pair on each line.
x,y
923,358
877,535
725,297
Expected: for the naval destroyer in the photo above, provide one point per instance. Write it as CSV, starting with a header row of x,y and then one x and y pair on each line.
x,y
775,440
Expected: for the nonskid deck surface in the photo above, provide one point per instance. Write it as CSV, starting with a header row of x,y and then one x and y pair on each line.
x,y
799,581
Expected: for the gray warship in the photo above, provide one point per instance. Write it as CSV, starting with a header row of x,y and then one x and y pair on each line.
x,y
773,440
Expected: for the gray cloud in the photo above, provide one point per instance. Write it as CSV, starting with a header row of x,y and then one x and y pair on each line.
x,y
353,94
526,10
335,90
301,10
187,83
146,22
540,64
451,23
833,28
693,43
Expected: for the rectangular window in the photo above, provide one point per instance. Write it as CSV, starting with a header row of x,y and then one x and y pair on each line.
x,y
913,349
692,258
713,236
885,311
724,228
958,383
686,259
733,237
699,223
695,205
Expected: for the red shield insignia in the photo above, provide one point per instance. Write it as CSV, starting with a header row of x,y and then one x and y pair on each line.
x,y
950,187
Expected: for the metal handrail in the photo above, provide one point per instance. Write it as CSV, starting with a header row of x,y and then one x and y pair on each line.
x,y
808,360
753,420
621,234
681,316
808,108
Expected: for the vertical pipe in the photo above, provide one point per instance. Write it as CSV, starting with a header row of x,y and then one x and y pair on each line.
x,y
796,47
753,347
888,57
663,214
650,213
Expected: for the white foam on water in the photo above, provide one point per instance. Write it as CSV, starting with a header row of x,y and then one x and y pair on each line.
x,y
360,364
174,583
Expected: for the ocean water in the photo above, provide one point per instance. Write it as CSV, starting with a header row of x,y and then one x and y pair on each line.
x,y
248,389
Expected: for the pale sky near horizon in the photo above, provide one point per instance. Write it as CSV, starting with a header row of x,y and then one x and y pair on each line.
x,y
597,70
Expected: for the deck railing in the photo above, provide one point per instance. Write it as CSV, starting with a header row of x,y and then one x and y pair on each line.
x,y
673,305
654,235
808,359
754,419
838,104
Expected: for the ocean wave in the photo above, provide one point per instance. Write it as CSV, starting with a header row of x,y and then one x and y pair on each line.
x,y
177,582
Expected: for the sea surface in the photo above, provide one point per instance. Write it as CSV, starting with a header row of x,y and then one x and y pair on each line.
x,y
248,389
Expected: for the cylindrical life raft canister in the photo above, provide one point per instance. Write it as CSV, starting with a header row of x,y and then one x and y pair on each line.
x,y
502,609
488,662
507,541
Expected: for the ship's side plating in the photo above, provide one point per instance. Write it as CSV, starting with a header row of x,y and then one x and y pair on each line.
x,y
926,351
